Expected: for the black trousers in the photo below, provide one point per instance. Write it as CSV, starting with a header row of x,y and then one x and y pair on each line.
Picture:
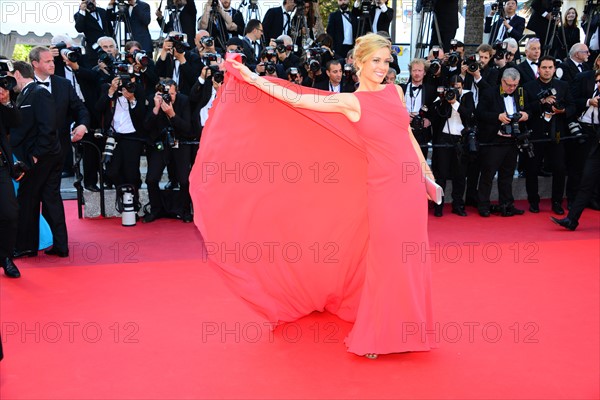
x,y
41,184
181,160
124,167
503,160
9,214
589,182
473,172
91,156
553,156
423,136
576,153
449,163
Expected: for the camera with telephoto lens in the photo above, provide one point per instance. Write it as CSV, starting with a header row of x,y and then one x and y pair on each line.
x,y
163,89
495,6
314,57
168,139
576,132
124,72
122,7
547,107
7,82
90,6
72,53
180,43
241,53
556,5
207,58
500,49
418,121
293,73
435,65
103,56
473,62
216,73
522,138
448,93
348,71
109,147
207,41
454,57
282,47
470,139
591,6
138,56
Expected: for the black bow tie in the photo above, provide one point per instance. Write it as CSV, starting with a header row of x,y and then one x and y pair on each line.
x,y
534,63
507,94
47,84
345,12
415,88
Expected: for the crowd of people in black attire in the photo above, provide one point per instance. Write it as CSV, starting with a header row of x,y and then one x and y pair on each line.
x,y
476,113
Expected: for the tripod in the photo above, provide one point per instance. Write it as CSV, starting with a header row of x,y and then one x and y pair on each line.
x,y
552,35
498,17
428,17
364,20
252,12
221,29
299,26
591,11
122,26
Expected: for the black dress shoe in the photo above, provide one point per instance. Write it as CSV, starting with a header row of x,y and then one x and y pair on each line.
x,y
438,210
557,208
594,205
534,208
10,269
171,185
471,203
460,211
56,252
25,253
565,223
187,218
484,212
150,217
92,188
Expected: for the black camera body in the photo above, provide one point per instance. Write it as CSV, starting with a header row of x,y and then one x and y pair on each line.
x,y
207,58
470,139
180,43
473,62
104,57
217,75
125,73
500,49
544,93
164,92
7,82
522,137
418,121
207,41
72,53
138,56
90,6
348,71
448,93
282,47
314,57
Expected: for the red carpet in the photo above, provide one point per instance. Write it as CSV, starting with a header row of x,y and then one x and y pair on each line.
x,y
135,313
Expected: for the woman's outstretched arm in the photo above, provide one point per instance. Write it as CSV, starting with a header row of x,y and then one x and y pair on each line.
x,y
344,103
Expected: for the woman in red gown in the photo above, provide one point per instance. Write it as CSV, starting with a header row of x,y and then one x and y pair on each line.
x,y
294,242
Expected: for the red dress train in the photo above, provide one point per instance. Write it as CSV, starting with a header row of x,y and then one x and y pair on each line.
x,y
304,211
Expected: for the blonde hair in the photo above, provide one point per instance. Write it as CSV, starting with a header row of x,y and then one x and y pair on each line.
x,y
367,45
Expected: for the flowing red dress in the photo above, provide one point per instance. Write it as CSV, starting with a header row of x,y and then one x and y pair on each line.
x,y
304,211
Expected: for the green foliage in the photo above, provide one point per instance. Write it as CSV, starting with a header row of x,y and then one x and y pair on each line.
x,y
21,52
327,7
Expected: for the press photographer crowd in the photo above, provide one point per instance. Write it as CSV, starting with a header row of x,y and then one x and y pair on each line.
x,y
525,103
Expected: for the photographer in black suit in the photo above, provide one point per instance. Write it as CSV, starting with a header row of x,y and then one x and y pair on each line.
x,y
549,104
341,26
168,122
541,18
380,14
500,115
9,208
182,18
453,113
178,62
93,22
278,20
447,19
138,18
511,25
223,14
35,142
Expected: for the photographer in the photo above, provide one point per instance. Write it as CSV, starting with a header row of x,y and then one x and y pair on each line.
x,y
268,65
419,96
177,62
478,72
342,26
143,66
9,208
294,76
451,117
447,12
284,47
136,15
121,106
108,54
278,20
504,56
93,22
548,101
182,18
203,94
167,123
508,25
542,16
500,118
380,14
221,21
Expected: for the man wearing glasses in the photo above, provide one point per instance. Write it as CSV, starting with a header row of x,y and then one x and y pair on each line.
x,y
576,63
498,112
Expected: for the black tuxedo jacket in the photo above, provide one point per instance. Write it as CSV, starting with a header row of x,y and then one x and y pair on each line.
x,y
273,23
187,19
251,59
568,70
9,117
138,21
200,96
428,96
36,136
582,89
527,74
442,111
384,21
68,107
105,106
181,122
324,85
489,77
188,72
490,106
534,109
335,29
537,22
89,26
517,23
